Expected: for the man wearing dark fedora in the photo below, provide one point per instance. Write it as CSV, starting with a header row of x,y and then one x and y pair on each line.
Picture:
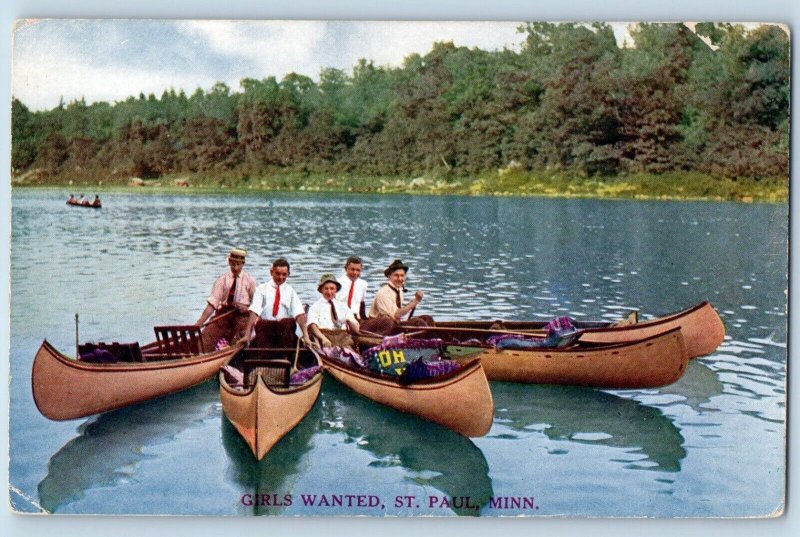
x,y
231,294
328,318
389,306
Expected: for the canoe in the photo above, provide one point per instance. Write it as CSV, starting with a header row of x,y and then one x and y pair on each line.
x,y
266,407
460,401
651,362
701,326
88,206
67,388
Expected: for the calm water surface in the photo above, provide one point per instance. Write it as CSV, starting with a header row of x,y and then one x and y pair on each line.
x,y
711,444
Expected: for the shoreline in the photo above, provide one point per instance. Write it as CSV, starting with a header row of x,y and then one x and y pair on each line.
x,y
676,186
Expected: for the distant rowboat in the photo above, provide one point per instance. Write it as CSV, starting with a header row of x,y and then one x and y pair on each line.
x,y
85,205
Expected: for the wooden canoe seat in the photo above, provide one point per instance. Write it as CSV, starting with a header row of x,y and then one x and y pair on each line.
x,y
275,372
179,340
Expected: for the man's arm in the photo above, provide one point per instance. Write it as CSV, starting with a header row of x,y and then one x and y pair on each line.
x,y
398,315
314,330
251,322
301,322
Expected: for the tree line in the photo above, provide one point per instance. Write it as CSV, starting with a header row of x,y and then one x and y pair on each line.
x,y
714,100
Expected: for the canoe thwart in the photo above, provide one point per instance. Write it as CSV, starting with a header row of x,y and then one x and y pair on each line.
x,y
179,339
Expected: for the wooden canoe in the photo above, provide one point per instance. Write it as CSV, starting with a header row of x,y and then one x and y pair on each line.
x,y
262,412
648,363
460,401
65,388
701,326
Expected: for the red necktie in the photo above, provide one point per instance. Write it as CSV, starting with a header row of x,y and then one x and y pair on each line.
x,y
277,302
333,312
350,295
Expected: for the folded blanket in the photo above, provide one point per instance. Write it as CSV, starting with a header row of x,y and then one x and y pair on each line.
x,y
304,375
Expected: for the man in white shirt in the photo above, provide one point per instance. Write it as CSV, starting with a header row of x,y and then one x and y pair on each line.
x,y
276,311
328,318
353,290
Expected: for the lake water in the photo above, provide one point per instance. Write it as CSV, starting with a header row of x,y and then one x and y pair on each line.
x,y
712,444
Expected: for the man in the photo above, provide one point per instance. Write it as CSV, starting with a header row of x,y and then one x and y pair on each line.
x,y
232,293
276,311
388,308
328,318
353,290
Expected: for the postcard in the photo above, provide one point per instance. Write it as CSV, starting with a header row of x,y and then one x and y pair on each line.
x,y
399,269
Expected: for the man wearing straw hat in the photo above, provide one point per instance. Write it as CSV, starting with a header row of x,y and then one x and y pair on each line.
x,y
388,308
231,294
328,318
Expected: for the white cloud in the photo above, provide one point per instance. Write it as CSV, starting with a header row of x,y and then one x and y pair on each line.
x,y
271,47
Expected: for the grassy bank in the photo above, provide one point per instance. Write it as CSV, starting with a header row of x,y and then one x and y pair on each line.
x,y
687,186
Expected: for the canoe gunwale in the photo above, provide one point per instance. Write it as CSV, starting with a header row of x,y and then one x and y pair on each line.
x,y
244,392
433,383
135,366
669,317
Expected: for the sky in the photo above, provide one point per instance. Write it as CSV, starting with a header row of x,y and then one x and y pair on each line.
x,y
110,60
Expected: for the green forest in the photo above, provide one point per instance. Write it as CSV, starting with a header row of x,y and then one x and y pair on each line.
x,y
708,107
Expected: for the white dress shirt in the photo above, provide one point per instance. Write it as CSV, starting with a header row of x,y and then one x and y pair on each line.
x,y
264,298
320,314
359,292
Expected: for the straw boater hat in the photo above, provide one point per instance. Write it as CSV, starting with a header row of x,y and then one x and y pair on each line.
x,y
396,265
328,278
238,254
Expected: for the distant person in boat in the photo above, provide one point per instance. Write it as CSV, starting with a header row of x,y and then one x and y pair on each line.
x,y
83,200
72,200
329,318
389,306
277,316
353,287
96,202
231,293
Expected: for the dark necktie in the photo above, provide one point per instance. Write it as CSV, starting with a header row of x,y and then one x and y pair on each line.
x,y
397,296
333,312
350,295
232,291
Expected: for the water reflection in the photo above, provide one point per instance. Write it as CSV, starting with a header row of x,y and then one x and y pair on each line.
x,y
110,446
581,415
696,387
267,480
434,456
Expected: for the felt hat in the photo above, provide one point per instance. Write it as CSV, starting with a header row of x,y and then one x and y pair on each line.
x,y
328,278
396,265
238,253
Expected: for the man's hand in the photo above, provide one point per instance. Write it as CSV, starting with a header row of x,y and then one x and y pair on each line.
x,y
418,296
